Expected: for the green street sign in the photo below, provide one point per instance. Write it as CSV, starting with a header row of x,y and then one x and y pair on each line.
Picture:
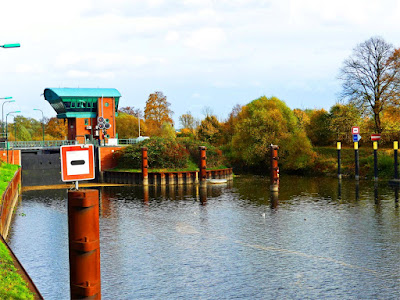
x,y
11,45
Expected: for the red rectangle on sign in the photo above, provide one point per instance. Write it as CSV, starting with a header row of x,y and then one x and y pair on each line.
x,y
77,162
375,137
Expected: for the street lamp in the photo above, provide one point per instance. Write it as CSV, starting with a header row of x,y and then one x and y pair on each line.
x,y
16,45
42,122
11,112
2,115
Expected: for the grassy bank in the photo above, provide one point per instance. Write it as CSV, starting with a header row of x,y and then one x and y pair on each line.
x,y
12,286
327,162
7,172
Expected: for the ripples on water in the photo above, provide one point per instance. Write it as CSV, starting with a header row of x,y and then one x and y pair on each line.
x,y
317,240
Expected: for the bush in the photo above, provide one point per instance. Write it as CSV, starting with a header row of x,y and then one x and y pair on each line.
x,y
162,153
267,121
215,159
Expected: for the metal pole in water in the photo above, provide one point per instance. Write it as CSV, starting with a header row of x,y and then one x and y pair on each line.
x,y
396,166
274,168
339,147
145,166
84,244
375,160
203,167
357,163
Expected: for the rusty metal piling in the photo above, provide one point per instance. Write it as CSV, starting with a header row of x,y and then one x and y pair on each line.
x,y
84,244
274,168
145,166
202,164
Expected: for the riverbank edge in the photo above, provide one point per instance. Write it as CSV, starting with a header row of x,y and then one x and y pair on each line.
x,y
14,187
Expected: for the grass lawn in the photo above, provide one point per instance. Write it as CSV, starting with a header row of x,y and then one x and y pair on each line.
x,y
327,157
12,286
7,172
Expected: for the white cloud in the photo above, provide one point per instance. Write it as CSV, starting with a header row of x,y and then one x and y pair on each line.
x,y
172,36
206,39
85,74
187,46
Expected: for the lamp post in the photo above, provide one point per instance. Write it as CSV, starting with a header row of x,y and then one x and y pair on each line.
x,y
42,122
11,112
2,114
16,45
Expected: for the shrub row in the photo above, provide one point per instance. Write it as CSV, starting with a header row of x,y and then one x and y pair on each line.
x,y
169,154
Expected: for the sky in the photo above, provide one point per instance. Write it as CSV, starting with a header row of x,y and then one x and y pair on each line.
x,y
199,53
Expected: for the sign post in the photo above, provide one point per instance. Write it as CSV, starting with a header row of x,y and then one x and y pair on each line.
x,y
339,147
375,146
77,163
355,131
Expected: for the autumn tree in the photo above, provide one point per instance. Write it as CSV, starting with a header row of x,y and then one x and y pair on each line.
x,y
230,124
188,121
210,130
157,112
130,110
371,77
56,128
302,116
342,118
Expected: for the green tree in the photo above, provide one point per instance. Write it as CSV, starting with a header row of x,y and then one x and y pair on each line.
x,y
167,131
128,126
32,126
267,121
318,129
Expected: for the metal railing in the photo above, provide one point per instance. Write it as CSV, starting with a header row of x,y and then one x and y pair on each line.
x,y
36,144
127,141
56,144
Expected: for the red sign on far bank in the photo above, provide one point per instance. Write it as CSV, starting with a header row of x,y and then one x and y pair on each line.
x,y
375,137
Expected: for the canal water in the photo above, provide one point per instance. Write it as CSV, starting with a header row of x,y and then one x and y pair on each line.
x,y
317,239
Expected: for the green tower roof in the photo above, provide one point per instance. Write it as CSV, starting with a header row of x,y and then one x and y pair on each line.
x,y
78,102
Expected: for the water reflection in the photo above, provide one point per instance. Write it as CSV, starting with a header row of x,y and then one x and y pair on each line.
x,y
357,190
274,200
317,239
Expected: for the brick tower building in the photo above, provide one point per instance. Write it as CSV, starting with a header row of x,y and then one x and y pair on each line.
x,y
90,112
